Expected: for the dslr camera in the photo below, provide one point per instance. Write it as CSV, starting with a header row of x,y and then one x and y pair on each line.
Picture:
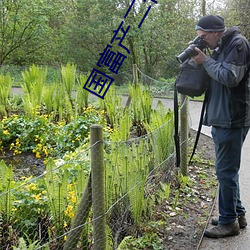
x,y
190,51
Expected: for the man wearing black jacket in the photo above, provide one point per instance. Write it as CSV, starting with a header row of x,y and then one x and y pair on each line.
x,y
228,112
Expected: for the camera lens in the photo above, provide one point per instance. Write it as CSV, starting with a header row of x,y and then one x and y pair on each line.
x,y
187,53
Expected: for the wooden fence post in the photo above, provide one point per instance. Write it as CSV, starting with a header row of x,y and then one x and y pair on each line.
x,y
135,74
184,135
98,194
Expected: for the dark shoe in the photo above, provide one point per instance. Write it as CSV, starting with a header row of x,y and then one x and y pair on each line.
x,y
241,219
221,231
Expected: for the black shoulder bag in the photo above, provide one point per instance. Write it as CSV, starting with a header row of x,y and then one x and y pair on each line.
x,y
191,81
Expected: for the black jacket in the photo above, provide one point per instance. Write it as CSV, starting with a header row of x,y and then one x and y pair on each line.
x,y
229,90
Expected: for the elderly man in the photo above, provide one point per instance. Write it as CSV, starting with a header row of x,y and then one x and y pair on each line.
x,y
228,112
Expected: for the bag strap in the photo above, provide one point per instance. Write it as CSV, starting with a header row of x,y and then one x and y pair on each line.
x,y
176,126
199,127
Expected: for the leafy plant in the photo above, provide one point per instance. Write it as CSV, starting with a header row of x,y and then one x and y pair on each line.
x,y
161,126
147,241
112,106
6,184
68,74
48,98
82,95
22,245
34,81
43,137
5,90
30,208
141,104
164,192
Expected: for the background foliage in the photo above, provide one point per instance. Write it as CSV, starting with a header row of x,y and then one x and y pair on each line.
x,y
49,32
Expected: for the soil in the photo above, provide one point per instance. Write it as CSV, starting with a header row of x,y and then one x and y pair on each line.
x,y
25,164
186,223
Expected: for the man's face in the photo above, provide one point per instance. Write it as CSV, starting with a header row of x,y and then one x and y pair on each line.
x,y
211,38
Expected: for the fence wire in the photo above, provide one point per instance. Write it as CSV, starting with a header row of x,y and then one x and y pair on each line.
x,y
43,210
47,204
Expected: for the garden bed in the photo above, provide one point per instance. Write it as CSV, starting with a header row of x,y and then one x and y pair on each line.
x,y
185,226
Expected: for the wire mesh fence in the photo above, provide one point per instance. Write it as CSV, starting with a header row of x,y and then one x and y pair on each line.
x,y
42,210
55,210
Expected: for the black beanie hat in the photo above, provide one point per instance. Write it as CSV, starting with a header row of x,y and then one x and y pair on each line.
x,y
211,23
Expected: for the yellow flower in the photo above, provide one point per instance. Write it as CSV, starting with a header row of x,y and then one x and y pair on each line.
x,y
73,199
69,211
38,155
31,187
103,112
14,209
37,196
45,151
16,152
6,132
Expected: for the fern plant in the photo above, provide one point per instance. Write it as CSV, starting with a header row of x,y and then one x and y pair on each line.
x,y
33,86
126,171
161,129
68,74
5,89
82,95
6,184
48,98
56,185
141,106
112,104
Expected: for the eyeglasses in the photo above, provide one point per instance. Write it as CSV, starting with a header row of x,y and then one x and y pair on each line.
x,y
204,35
